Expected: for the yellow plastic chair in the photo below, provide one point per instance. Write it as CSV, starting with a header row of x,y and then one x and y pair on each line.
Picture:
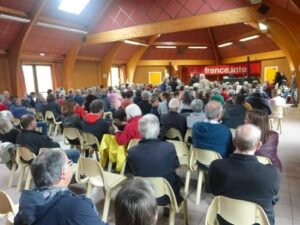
x,y
184,160
264,160
91,143
205,157
96,176
53,124
71,133
235,211
278,114
173,133
188,136
24,157
131,143
162,187
7,208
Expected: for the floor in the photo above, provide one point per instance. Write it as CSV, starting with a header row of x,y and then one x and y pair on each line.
x,y
287,210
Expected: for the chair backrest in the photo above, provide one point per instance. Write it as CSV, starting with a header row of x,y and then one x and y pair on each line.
x,y
90,168
235,211
49,116
204,156
107,115
6,205
173,133
263,159
277,111
188,135
72,133
25,153
232,130
181,151
90,139
16,122
132,143
32,110
162,187
39,116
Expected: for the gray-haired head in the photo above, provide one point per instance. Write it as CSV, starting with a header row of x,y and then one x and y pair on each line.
x,y
146,95
202,76
133,110
5,125
213,110
247,137
174,104
6,115
149,126
197,105
135,204
46,168
1,98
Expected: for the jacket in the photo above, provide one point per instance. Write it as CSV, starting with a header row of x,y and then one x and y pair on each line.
x,y
56,206
172,119
35,140
131,131
234,115
95,125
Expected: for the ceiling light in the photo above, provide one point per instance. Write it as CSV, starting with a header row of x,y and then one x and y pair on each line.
x,y
58,27
73,6
135,43
14,18
165,46
225,44
42,54
197,47
250,38
263,27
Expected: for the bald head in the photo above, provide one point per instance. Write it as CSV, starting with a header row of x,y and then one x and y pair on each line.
x,y
247,138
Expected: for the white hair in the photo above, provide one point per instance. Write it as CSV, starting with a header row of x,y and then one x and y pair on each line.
x,y
202,76
174,104
133,110
149,126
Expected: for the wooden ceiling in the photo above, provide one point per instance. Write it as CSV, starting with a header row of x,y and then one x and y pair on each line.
x,y
104,15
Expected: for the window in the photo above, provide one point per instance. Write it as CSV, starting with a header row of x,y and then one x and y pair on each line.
x,y
38,78
114,77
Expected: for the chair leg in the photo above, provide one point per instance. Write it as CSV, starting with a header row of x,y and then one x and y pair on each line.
x,y
28,179
12,174
55,130
172,217
106,206
280,126
50,129
22,171
185,212
187,182
199,186
109,166
89,191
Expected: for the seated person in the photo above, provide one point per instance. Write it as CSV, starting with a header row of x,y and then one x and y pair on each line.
x,y
51,201
210,134
145,105
259,101
241,176
7,131
154,107
154,158
135,204
94,122
54,107
173,119
197,115
34,140
120,119
128,99
131,131
2,105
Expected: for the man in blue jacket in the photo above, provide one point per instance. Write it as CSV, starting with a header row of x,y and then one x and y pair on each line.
x,y
51,202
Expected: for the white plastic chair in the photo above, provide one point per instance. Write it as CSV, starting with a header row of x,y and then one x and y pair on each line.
x,y
173,133
50,118
162,187
235,211
278,114
96,176
131,143
91,144
8,208
204,157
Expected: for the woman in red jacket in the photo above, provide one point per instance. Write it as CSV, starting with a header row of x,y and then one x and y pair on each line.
x,y
131,131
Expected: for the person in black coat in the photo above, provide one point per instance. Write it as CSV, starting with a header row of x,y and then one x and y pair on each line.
x,y
154,158
145,105
259,101
241,176
173,119
54,107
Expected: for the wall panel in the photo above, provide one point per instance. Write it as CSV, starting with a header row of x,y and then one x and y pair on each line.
x,y
85,74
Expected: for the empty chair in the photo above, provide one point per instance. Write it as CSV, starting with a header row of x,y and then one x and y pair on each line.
x,y
203,157
91,144
173,133
96,176
72,134
53,124
278,114
162,187
7,208
24,158
235,211
184,160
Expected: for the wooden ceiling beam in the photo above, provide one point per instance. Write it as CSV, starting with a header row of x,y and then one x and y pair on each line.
x,y
213,45
238,15
14,12
296,3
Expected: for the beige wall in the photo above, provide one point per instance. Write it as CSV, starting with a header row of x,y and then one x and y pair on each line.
x,y
282,64
141,73
4,75
86,74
